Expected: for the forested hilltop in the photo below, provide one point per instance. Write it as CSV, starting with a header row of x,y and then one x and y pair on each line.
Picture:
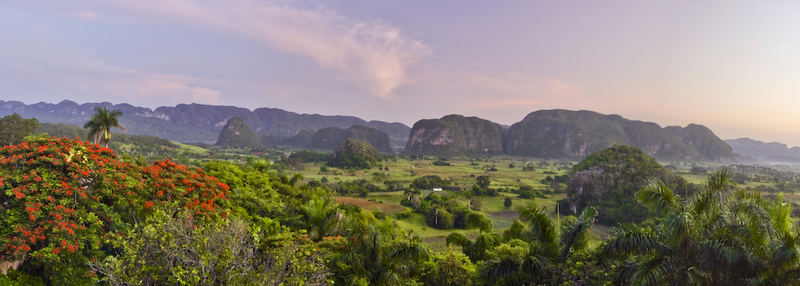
x,y
75,212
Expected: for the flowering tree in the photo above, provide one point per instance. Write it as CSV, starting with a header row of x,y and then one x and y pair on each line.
x,y
65,202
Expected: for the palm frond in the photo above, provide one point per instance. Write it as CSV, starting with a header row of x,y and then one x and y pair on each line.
x,y
726,259
540,224
680,225
409,251
658,197
783,256
780,214
630,239
502,268
715,194
653,272
580,228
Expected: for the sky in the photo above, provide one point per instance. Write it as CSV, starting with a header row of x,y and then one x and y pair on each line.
x,y
733,66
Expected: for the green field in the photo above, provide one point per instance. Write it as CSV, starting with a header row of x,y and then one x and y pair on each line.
x,y
508,173
462,172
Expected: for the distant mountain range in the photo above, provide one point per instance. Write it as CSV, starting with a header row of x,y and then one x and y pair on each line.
x,y
756,150
544,133
199,123
565,134
237,133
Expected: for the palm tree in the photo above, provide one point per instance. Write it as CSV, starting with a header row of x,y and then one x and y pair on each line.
x,y
101,123
548,249
783,267
375,260
718,236
322,217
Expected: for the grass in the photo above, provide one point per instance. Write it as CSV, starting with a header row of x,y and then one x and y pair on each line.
x,y
191,148
434,238
462,172
389,209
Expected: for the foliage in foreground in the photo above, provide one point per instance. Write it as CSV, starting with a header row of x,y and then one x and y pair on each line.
x,y
66,202
720,235
73,213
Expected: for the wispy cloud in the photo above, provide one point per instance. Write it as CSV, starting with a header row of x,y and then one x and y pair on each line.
x,y
70,73
484,90
374,55
88,15
93,75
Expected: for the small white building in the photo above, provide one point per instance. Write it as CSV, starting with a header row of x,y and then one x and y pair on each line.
x,y
437,189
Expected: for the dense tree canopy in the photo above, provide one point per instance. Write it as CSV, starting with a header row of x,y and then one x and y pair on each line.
x,y
14,128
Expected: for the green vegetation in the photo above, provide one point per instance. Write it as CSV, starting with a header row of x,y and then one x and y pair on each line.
x,y
720,235
354,154
609,179
101,123
76,213
14,128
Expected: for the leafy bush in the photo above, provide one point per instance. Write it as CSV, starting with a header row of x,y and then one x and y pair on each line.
x,y
429,182
450,268
65,202
439,218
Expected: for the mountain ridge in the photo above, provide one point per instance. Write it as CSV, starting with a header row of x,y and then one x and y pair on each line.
x,y
556,133
199,123
765,151
560,133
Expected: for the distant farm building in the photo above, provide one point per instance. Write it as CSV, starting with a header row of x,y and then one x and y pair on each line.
x,y
437,189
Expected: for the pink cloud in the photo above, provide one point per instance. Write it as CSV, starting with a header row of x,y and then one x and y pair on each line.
x,y
370,54
88,15
482,90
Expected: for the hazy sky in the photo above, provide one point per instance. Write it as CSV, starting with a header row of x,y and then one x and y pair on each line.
x,y
731,65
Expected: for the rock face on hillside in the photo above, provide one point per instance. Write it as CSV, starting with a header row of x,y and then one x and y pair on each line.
x,y
455,135
576,134
332,137
237,133
762,151
198,122
609,180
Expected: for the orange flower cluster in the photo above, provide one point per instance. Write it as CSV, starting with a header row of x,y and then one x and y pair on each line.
x,y
196,190
66,195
